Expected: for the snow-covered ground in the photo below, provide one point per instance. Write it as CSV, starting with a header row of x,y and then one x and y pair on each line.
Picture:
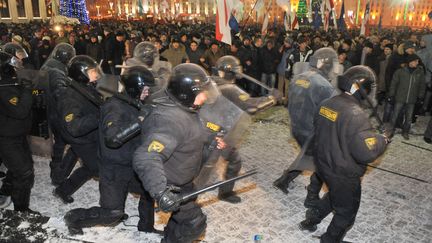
x,y
393,208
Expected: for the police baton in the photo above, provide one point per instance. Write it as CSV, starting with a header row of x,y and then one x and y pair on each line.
x,y
374,108
399,174
215,185
252,79
122,97
9,85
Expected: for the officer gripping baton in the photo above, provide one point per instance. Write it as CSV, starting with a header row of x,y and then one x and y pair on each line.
x,y
374,108
252,79
215,185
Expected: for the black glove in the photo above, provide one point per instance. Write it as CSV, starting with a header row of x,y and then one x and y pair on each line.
x,y
169,200
390,100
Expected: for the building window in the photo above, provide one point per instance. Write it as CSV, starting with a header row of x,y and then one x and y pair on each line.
x,y
35,7
48,4
21,9
4,9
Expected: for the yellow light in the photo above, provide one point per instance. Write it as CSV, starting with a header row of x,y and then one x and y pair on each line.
x,y
397,16
410,18
373,16
57,28
424,18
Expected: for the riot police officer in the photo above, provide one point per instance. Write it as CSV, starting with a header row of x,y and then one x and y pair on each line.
x,y
56,65
171,151
116,173
344,144
307,90
15,119
79,112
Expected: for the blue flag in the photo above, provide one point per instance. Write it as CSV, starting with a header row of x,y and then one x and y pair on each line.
x,y
317,19
233,24
341,20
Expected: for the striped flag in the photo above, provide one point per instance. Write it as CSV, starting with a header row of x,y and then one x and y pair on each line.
x,y
223,31
364,30
265,24
259,7
287,24
295,24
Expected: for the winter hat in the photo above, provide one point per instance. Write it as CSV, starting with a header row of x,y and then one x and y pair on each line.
x,y
389,46
412,57
17,38
408,44
368,44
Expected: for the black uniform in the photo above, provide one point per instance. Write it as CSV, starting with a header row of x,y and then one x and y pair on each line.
x,y
79,124
116,173
15,120
61,163
344,144
170,154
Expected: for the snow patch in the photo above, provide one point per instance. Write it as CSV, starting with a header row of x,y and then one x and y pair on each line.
x,y
24,225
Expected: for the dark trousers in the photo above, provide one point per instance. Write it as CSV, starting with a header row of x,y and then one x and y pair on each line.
x,y
344,199
115,183
16,155
232,156
187,223
88,169
428,132
61,163
408,113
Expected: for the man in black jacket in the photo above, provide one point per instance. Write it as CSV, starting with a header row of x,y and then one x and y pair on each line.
x,y
345,143
117,177
80,120
61,163
170,155
15,120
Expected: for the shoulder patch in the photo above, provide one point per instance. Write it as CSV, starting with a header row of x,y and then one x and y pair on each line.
x,y
109,124
328,113
69,117
213,127
302,83
156,146
244,97
14,100
370,143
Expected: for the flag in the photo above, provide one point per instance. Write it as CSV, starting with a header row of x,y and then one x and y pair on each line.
x,y
341,20
363,30
309,12
287,24
140,7
295,24
380,23
233,24
265,24
223,31
284,4
259,7
317,19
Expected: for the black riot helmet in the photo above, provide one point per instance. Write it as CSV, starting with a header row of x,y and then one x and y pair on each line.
x,y
187,81
326,60
63,53
15,50
135,79
362,75
7,65
146,53
228,66
79,66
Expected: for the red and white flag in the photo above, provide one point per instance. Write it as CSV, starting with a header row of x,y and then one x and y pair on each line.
x,y
294,24
223,30
364,30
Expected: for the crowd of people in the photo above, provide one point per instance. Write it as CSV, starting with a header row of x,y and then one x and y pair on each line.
x,y
156,63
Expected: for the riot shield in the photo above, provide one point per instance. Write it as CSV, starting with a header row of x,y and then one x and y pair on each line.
x,y
300,67
37,79
221,116
108,85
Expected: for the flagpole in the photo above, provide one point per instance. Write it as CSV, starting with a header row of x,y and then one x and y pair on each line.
x,y
250,13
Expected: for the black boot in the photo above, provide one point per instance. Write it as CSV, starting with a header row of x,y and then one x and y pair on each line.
x,y
63,196
230,197
312,200
311,221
